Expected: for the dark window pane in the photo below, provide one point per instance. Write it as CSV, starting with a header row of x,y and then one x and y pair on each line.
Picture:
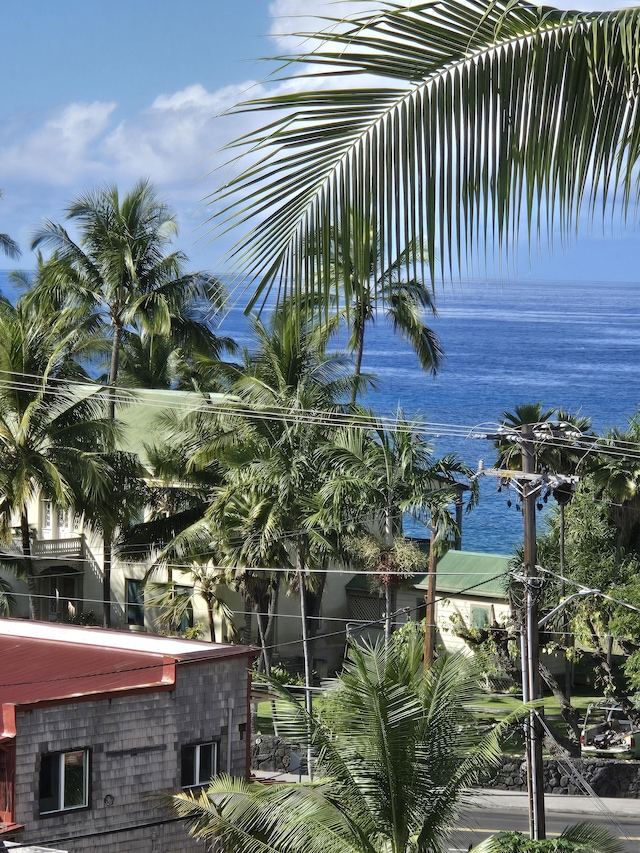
x,y
49,783
63,781
188,768
207,763
135,602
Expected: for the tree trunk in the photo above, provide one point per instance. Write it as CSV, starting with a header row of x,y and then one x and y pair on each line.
x,y
113,369
265,608
314,602
272,613
106,581
306,651
357,367
306,645
265,657
388,606
246,628
30,576
212,626
107,546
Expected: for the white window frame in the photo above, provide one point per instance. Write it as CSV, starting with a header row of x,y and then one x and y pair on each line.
x,y
199,779
59,758
47,512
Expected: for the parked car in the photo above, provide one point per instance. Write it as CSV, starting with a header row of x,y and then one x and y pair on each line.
x,y
607,730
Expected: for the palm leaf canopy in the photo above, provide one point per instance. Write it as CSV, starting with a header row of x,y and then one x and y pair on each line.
x,y
395,749
458,123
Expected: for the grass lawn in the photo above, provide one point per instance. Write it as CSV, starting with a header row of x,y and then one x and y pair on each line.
x,y
496,705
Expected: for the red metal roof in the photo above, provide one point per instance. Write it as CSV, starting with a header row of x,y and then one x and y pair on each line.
x,y
35,670
42,662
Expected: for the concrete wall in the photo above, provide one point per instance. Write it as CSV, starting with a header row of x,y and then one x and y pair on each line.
x,y
135,744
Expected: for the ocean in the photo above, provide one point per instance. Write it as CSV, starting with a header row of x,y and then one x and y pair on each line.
x,y
574,345
570,345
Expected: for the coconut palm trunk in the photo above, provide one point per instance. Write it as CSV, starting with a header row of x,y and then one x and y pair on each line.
x,y
359,351
29,573
212,624
113,368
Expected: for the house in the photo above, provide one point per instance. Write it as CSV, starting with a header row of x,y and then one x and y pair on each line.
x,y
471,587
68,552
94,723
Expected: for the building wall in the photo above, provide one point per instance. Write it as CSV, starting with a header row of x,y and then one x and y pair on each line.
x,y
136,752
465,607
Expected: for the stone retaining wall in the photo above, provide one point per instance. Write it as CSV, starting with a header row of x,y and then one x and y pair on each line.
x,y
607,778
275,755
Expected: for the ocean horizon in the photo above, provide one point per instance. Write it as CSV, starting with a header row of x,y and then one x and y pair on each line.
x,y
570,345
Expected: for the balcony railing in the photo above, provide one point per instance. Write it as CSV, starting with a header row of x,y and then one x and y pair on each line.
x,y
71,547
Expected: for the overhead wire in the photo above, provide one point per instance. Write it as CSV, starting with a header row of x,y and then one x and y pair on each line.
x,y
363,625
205,402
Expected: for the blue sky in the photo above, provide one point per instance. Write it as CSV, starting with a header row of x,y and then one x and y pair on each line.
x,y
110,91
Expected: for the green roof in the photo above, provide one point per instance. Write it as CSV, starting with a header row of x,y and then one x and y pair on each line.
x,y
472,573
140,410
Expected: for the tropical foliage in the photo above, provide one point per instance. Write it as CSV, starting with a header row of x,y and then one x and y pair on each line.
x,y
119,276
54,439
266,514
581,838
394,754
449,124
372,289
7,245
120,273
387,467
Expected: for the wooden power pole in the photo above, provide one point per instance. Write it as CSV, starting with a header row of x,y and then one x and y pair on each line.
x,y
530,643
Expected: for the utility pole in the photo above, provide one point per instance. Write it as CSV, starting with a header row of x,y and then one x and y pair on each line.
x,y
430,611
528,484
530,643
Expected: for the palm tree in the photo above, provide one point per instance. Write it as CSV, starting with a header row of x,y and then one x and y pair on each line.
x,y
119,271
456,125
394,757
175,601
7,245
369,288
389,470
616,472
266,515
52,436
291,390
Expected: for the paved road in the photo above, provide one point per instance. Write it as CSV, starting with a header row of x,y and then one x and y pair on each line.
x,y
491,812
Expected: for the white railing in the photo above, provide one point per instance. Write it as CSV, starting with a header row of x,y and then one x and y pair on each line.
x,y
72,547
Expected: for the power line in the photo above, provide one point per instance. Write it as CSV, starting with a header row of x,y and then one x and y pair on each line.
x,y
233,406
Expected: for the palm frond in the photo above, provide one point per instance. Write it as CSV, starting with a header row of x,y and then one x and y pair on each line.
x,y
459,122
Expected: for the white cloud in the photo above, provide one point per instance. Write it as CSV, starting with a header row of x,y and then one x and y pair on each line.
x,y
47,160
173,139
292,16
62,149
